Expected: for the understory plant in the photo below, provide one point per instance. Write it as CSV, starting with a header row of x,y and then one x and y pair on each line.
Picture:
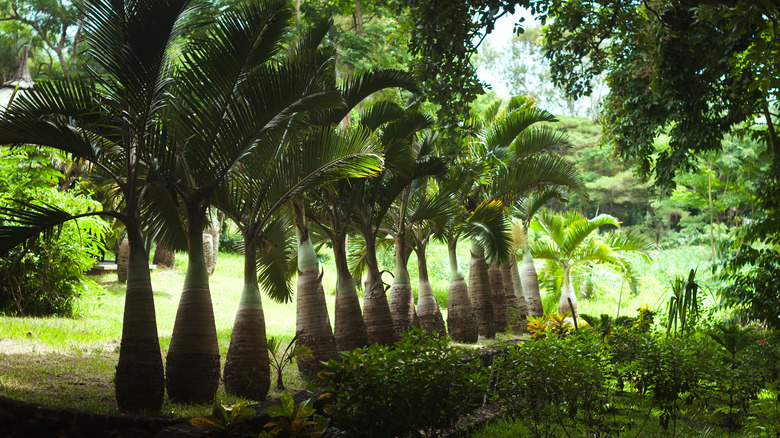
x,y
555,385
421,384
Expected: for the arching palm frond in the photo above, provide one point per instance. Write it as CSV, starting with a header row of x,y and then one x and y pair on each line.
x,y
488,227
538,139
506,129
275,258
550,223
579,229
535,171
379,113
30,221
630,240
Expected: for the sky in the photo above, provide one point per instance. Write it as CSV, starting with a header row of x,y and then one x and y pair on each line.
x,y
500,37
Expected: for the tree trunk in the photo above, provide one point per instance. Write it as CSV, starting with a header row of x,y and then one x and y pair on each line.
x,y
427,308
499,298
567,293
139,381
350,327
530,282
123,260
515,307
192,364
376,310
312,327
164,257
213,230
359,18
479,291
208,252
401,298
461,321
247,367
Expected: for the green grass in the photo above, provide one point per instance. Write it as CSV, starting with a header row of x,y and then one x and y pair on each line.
x,y
87,344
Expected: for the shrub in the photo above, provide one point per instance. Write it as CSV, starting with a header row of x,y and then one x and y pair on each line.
x,y
45,277
554,384
421,383
674,371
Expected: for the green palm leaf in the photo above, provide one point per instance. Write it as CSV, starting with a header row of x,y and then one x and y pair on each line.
x,y
488,227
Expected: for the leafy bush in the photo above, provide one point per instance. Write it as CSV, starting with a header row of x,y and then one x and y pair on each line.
x,y
45,277
555,384
674,371
419,384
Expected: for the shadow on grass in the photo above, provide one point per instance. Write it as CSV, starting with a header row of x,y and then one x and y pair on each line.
x,y
55,379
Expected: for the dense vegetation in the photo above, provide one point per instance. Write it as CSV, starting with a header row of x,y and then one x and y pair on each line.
x,y
271,130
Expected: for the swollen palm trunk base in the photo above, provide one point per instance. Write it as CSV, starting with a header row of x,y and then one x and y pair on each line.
x,y
428,310
247,368
515,309
313,327
480,294
379,322
139,381
499,298
461,321
530,283
192,365
350,327
401,307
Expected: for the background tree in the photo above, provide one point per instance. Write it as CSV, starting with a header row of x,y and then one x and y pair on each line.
x,y
54,30
572,242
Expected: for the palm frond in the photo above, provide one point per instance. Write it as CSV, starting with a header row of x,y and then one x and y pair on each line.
x,y
275,258
506,129
19,225
488,227
630,240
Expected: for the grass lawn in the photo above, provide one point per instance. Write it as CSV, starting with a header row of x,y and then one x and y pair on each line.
x,y
69,362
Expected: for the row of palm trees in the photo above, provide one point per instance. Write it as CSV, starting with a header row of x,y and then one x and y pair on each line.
x,y
181,115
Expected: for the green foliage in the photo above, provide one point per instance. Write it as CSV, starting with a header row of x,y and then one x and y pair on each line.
x,y
551,325
683,304
230,423
421,383
673,371
741,374
556,384
443,37
44,277
280,359
292,420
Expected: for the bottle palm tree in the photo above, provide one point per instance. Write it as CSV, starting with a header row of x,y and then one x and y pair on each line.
x,y
265,182
571,241
110,119
518,156
237,89
328,207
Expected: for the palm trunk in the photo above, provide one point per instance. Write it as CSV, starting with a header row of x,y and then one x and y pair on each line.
x,y
192,364
461,321
350,327
479,291
164,257
499,298
401,298
427,307
515,308
530,282
376,310
313,327
567,293
139,381
247,368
